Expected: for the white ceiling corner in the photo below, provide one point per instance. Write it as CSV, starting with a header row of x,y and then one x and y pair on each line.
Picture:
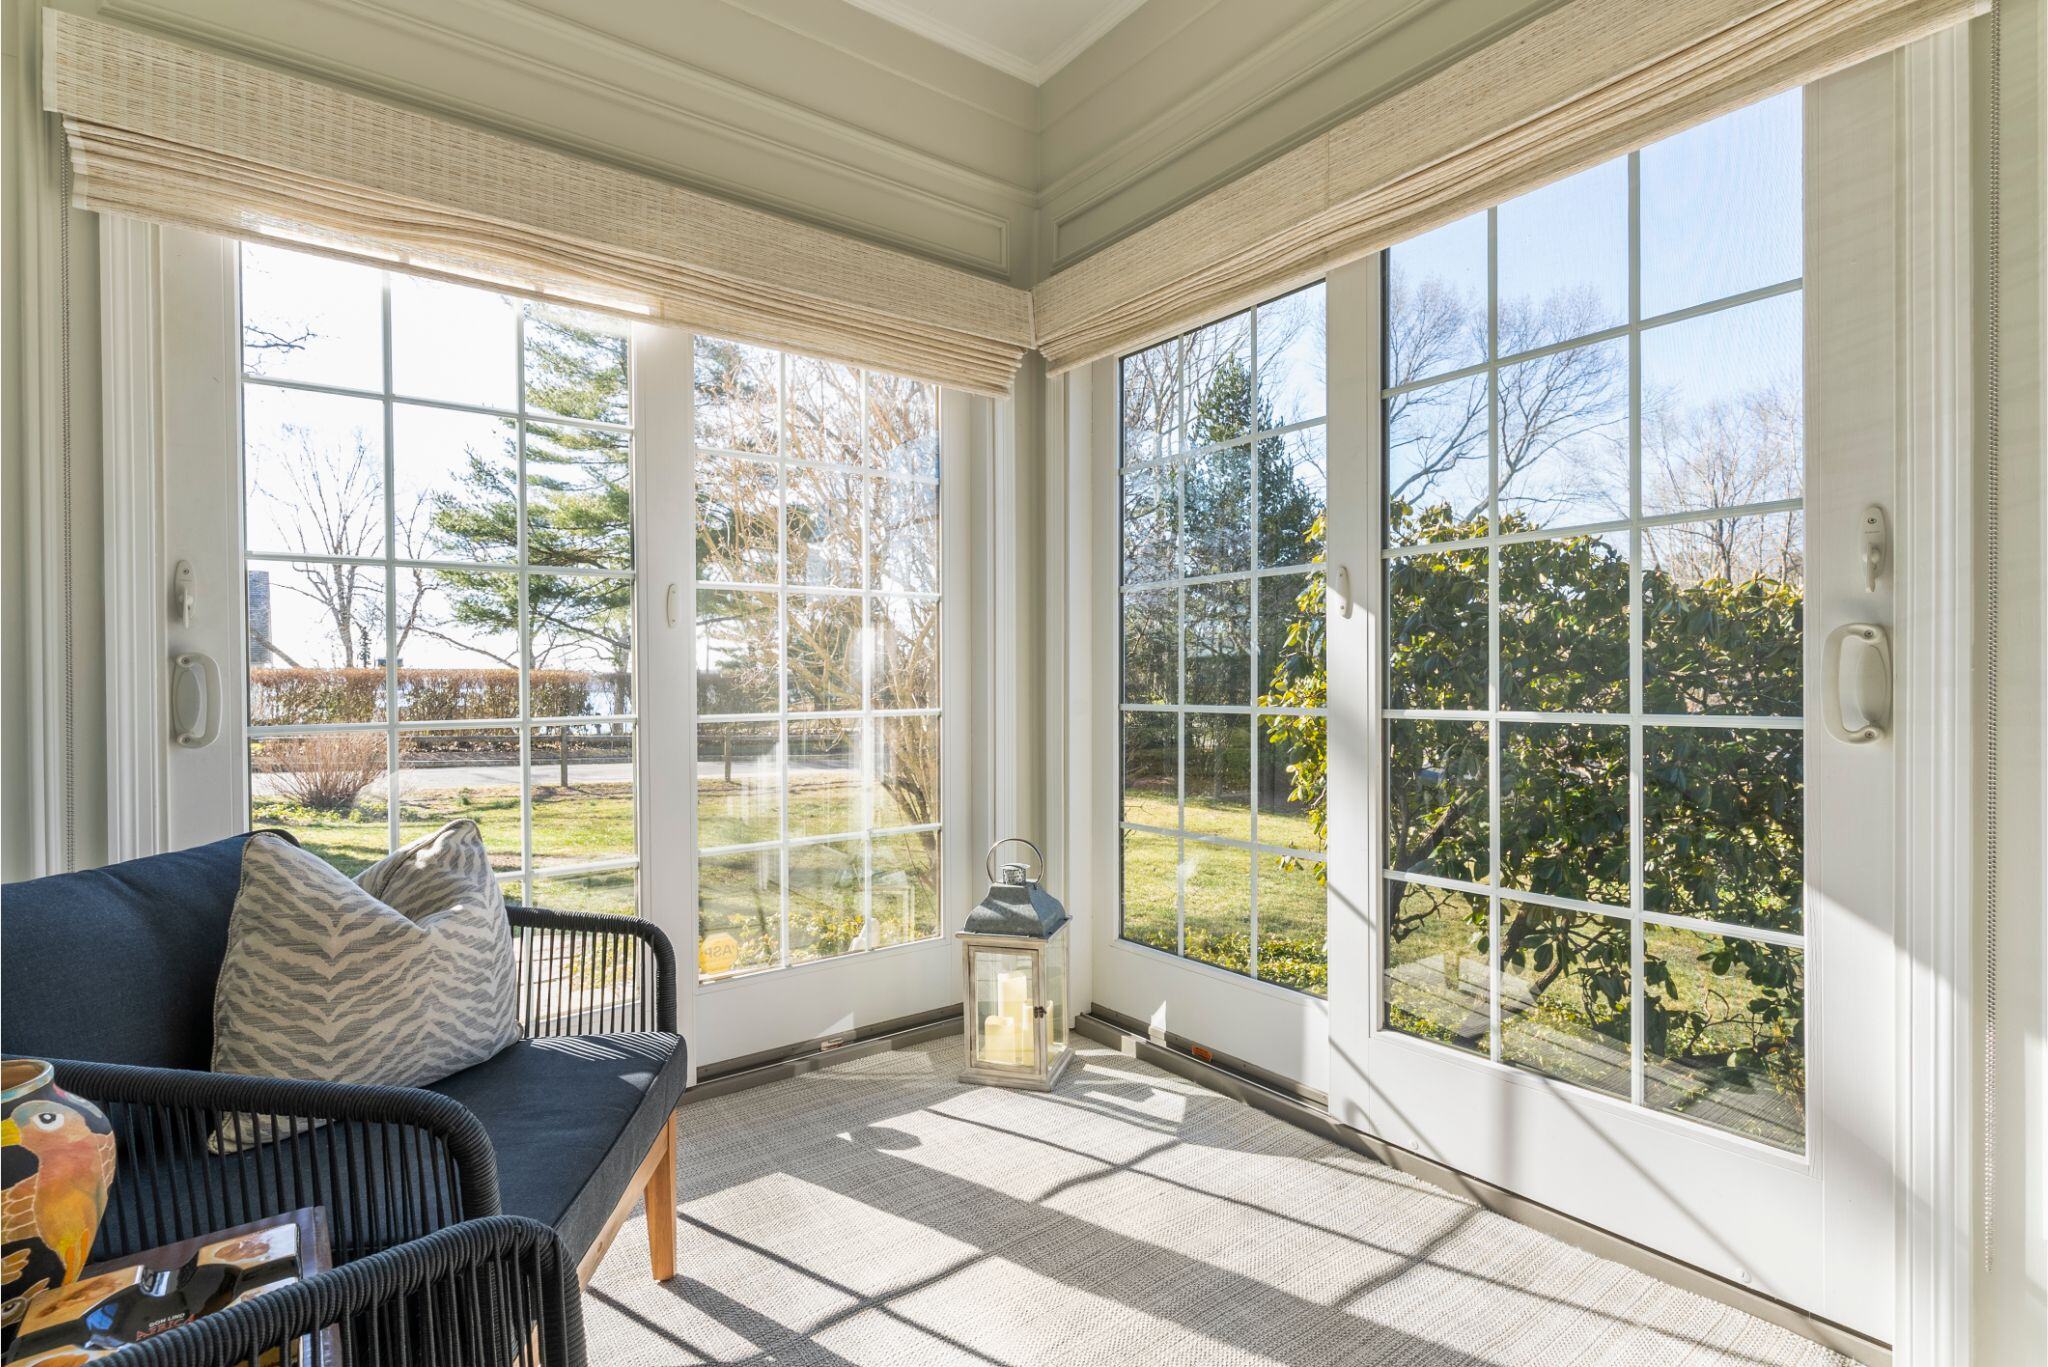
x,y
1028,39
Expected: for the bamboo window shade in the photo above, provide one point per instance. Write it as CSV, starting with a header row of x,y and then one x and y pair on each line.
x,y
173,134
161,131
1582,82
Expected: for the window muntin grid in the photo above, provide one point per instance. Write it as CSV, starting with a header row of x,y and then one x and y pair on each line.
x,y
1496,700
1222,493
818,604
455,467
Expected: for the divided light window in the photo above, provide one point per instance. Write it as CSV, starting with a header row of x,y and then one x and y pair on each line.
x,y
439,538
1223,681
1595,588
817,642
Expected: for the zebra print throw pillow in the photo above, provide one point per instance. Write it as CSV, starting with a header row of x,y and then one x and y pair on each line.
x,y
401,976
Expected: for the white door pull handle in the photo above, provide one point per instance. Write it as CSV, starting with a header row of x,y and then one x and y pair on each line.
x,y
1875,669
195,700
1344,590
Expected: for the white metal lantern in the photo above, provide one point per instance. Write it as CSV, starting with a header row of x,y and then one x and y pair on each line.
x,y
1014,951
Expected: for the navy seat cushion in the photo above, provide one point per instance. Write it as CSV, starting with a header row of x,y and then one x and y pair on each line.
x,y
570,1120
118,965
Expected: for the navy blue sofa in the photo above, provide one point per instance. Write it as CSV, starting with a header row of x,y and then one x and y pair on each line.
x,y
110,974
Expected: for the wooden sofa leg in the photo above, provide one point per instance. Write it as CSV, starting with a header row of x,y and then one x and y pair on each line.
x,y
661,1207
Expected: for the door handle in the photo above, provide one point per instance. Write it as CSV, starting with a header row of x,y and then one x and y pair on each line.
x,y
1876,719
1344,590
192,670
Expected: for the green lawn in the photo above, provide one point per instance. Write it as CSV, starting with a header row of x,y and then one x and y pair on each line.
x,y
734,812
1292,914
575,825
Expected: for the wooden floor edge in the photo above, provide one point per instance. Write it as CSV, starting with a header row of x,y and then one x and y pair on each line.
x,y
1297,1109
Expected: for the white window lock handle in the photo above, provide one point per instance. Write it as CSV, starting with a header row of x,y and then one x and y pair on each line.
x,y
1877,665
195,720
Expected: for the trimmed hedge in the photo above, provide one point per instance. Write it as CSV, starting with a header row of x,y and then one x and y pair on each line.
x,y
353,695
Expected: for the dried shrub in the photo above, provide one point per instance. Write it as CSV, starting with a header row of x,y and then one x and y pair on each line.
x,y
329,771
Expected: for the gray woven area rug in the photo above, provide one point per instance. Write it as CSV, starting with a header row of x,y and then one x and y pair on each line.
x,y
880,1211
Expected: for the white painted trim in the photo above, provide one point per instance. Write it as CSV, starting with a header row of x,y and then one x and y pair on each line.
x,y
1936,613
1081,730
200,427
45,397
1003,546
1092,635
664,495
132,461
1352,645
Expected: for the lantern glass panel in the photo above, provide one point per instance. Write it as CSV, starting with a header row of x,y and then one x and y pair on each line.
x,y
1056,993
1004,1033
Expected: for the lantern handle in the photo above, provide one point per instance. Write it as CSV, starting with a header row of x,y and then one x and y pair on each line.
x,y
988,861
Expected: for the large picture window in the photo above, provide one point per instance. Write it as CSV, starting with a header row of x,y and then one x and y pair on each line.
x,y
1223,681
1594,589
817,669
439,546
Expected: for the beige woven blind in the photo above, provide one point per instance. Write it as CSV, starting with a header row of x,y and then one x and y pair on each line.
x,y
1583,82
165,132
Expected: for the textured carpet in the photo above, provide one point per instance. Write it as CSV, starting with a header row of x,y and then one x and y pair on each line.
x,y
879,1211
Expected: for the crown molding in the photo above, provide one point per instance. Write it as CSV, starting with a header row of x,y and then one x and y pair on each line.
x,y
675,119
1270,74
963,73
1024,120
984,236
616,51
1112,13
1260,77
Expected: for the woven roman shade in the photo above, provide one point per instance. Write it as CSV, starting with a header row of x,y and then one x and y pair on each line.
x,y
1581,83
161,131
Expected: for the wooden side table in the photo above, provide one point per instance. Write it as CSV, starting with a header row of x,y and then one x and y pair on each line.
x,y
134,1298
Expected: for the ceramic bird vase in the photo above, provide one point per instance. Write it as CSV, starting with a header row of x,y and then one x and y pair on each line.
x,y
57,1158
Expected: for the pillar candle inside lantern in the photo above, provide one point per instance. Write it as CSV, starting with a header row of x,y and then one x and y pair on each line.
x,y
1007,1035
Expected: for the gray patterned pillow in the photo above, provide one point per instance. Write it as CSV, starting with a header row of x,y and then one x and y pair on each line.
x,y
402,976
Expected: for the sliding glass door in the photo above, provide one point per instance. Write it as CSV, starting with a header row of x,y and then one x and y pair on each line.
x,y
1610,881
1594,590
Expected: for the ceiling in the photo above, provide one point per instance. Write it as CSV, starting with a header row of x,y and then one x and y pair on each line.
x,y
1029,39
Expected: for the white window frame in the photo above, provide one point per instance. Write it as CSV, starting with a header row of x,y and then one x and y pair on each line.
x,y
187,280
1254,575
761,1014
1272,1027
522,885
784,718
1937,815
1634,719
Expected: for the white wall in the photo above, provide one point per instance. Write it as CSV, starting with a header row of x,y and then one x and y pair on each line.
x,y
2012,1288
46,765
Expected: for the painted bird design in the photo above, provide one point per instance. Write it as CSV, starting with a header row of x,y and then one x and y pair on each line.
x,y
74,1171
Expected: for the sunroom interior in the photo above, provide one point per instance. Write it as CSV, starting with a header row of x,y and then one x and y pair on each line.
x,y
1076,682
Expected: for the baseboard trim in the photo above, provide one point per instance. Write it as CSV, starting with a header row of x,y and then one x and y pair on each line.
x,y
776,1065
1308,1110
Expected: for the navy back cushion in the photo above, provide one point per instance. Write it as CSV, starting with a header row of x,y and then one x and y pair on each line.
x,y
118,965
